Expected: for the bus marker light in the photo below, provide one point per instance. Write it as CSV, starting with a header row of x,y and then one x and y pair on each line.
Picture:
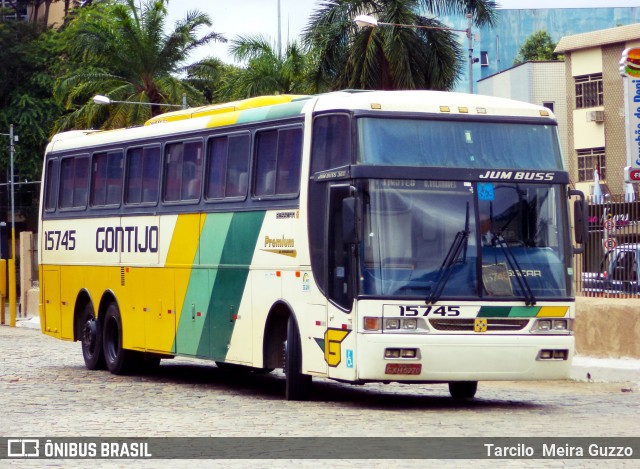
x,y
481,110
278,273
408,353
198,314
444,109
371,324
392,353
392,324
298,274
544,113
463,110
410,324
376,106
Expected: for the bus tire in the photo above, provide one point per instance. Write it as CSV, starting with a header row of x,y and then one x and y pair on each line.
x,y
119,361
297,385
91,339
463,389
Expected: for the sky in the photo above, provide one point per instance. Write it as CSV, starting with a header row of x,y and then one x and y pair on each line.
x,y
248,17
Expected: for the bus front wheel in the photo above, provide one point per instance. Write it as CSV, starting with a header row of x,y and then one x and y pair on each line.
x,y
119,361
297,385
91,338
463,389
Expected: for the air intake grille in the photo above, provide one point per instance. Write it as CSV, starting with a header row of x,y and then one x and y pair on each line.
x,y
466,325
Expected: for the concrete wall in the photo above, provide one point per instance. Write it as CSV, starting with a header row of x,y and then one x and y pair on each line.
x,y
608,327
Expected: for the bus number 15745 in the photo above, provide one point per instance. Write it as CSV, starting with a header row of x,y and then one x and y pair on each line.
x,y
409,311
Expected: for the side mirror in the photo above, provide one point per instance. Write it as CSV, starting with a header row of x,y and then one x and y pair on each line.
x,y
350,220
580,211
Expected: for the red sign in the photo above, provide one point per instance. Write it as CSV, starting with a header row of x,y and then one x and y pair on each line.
x,y
634,174
403,369
609,244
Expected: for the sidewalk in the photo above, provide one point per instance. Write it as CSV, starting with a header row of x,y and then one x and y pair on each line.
x,y
583,368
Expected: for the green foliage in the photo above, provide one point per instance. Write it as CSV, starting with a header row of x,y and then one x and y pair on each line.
x,y
389,57
26,81
266,71
539,46
119,48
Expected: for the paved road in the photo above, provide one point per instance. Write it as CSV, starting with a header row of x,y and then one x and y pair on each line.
x,y
46,391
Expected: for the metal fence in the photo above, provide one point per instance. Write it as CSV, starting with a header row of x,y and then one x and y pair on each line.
x,y
609,266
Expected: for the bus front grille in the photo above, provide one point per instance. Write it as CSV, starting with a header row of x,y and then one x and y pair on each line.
x,y
467,325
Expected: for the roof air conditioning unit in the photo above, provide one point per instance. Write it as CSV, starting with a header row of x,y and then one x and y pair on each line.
x,y
595,116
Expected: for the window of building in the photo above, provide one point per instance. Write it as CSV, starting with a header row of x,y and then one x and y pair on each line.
x,y
143,172
588,160
106,178
549,105
74,181
278,158
228,166
589,91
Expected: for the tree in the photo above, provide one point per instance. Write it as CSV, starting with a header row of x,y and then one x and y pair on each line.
x,y
389,57
267,71
538,46
120,50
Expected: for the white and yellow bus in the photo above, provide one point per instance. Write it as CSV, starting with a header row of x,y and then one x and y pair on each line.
x,y
416,236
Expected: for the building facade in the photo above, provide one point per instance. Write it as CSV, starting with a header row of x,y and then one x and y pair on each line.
x,y
596,128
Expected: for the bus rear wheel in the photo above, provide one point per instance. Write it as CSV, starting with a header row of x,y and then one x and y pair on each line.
x,y
463,389
297,385
91,339
118,360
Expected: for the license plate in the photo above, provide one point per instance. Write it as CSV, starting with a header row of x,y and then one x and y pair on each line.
x,y
403,369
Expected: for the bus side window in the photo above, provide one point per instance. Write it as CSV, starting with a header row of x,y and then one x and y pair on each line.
x,y
50,185
227,166
278,158
142,172
106,178
74,178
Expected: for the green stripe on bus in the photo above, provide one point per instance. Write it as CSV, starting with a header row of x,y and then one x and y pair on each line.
x,y
190,337
216,285
508,311
231,279
494,311
278,111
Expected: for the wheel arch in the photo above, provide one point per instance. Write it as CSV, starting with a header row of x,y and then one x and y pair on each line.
x,y
82,300
275,334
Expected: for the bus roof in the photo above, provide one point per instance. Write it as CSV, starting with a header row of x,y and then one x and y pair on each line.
x,y
282,106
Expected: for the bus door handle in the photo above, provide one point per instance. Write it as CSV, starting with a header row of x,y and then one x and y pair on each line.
x,y
193,311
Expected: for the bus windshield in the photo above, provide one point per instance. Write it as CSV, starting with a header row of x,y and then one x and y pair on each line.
x,y
454,239
461,144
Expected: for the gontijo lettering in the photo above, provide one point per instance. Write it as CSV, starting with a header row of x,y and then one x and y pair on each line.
x,y
127,239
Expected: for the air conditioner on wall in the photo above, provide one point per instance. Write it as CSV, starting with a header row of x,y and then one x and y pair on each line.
x,y
595,116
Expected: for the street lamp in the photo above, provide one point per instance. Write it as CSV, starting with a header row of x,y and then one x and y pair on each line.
x,y
105,101
12,262
367,21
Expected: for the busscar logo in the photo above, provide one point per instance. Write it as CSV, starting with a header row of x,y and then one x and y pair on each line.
x,y
23,448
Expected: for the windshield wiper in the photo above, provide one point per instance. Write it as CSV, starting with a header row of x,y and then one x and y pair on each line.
x,y
529,297
458,246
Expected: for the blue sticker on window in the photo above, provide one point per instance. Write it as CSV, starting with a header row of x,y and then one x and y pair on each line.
x,y
485,191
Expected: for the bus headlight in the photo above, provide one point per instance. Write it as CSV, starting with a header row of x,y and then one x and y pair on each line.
x,y
550,326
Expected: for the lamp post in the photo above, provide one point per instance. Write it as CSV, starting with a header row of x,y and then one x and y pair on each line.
x,y
12,262
367,21
105,101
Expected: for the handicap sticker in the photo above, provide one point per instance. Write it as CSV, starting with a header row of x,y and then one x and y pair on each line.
x,y
485,191
349,358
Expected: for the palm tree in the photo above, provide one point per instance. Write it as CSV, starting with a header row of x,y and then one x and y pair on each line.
x,y
122,51
389,57
266,71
